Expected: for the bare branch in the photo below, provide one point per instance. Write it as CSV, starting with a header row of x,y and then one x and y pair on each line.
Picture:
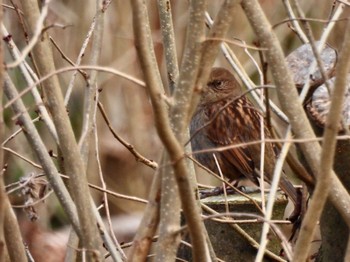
x,y
23,66
73,163
67,69
128,146
327,157
289,98
37,29
41,152
145,49
166,23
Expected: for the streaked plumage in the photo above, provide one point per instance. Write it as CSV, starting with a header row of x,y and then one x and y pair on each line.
x,y
225,117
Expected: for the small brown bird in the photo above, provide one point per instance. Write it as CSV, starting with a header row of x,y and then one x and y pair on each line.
x,y
224,117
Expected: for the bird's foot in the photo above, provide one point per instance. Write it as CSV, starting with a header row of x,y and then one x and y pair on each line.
x,y
230,190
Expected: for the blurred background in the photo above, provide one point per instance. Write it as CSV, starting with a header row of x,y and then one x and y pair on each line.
x,y
126,103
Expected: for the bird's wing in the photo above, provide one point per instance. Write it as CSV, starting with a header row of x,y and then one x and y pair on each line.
x,y
229,125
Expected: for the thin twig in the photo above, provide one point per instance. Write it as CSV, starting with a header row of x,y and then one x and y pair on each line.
x,y
271,200
236,42
227,209
109,192
305,19
11,8
114,243
37,32
267,140
294,21
65,57
131,148
91,84
321,43
77,63
67,69
42,199
23,66
227,184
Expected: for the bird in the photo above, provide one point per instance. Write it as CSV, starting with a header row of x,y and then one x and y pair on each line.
x,y
224,117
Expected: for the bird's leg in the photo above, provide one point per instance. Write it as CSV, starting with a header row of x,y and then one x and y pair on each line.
x,y
230,189
297,212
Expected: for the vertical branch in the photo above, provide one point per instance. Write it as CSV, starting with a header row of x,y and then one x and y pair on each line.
x,y
148,226
89,106
168,241
271,200
189,68
73,163
311,40
196,55
2,189
321,43
347,251
294,22
91,87
40,150
166,24
9,229
179,113
14,241
109,238
78,61
169,218
23,67
12,232
175,150
327,157
290,103
2,170
143,40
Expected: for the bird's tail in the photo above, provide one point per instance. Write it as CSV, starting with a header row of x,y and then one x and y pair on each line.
x,y
290,190
294,195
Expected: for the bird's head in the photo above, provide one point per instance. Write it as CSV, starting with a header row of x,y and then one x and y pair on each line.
x,y
221,84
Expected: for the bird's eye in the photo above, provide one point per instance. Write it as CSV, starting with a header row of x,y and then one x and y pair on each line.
x,y
217,84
